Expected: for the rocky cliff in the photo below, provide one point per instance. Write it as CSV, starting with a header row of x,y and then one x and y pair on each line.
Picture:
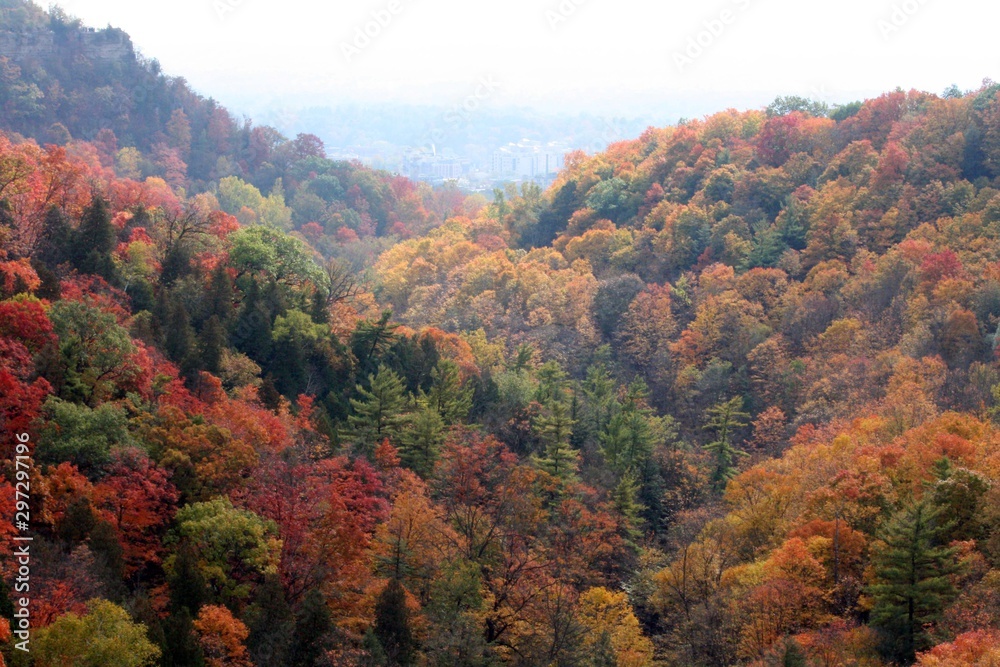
x,y
106,45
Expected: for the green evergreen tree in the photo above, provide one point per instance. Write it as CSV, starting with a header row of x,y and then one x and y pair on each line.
x,y
288,365
77,521
913,585
454,609
421,442
180,342
188,592
371,340
374,654
271,624
724,420
793,225
219,299
57,239
268,394
379,413
176,264
768,246
551,383
94,241
392,625
251,332
628,438
522,358
180,648
188,589
554,429
319,308
212,343
312,630
447,395
109,557
599,403
625,498
794,655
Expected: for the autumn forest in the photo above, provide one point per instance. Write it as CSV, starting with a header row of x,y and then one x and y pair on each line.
x,y
724,394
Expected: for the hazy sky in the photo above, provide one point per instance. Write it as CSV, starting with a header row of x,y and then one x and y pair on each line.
x,y
584,55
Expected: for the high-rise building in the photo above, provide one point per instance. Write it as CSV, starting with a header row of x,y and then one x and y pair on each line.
x,y
528,160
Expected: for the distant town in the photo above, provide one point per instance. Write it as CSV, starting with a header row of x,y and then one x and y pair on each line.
x,y
493,147
524,161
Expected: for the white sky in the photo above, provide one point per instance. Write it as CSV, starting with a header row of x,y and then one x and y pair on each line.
x,y
609,54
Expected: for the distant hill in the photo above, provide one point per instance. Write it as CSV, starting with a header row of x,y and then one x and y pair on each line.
x,y
63,83
62,80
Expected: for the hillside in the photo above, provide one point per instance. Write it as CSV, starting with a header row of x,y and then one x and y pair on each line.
x,y
725,394
65,84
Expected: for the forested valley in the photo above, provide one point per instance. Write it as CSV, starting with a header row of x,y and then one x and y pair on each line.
x,y
724,394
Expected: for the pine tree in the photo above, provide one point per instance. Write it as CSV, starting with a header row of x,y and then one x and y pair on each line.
x,y
371,340
599,402
447,395
180,647
57,241
794,656
374,654
188,593
176,264
724,419
187,585
554,430
319,308
959,495
312,628
379,413
77,521
551,383
251,332
768,246
625,497
180,341
212,342
94,241
392,625
627,440
912,580
792,224
219,300
271,624
421,442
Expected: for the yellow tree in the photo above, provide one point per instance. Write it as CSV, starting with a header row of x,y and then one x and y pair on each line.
x,y
611,628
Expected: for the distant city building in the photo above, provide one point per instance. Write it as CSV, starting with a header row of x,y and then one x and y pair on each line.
x,y
425,165
529,161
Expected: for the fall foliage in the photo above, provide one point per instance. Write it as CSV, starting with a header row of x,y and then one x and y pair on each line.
x,y
725,394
